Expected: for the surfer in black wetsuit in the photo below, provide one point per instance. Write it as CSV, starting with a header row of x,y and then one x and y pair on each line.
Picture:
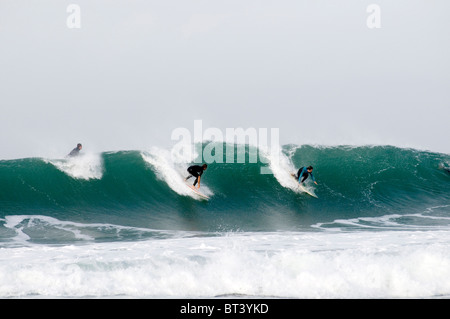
x,y
196,171
304,173
76,151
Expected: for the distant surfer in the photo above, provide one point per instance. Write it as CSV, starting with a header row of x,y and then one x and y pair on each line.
x,y
196,171
76,151
303,173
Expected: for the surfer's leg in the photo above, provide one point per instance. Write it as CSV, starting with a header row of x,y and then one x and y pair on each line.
x,y
196,180
304,178
190,174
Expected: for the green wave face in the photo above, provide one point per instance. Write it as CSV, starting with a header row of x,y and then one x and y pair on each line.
x,y
146,189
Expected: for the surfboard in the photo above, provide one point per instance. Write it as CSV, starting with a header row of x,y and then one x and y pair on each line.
x,y
196,191
303,188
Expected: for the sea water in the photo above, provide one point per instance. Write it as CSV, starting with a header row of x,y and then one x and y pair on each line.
x,y
120,224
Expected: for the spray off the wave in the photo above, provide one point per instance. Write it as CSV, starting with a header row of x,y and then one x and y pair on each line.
x,y
219,147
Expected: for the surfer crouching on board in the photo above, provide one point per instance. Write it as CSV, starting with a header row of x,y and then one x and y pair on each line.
x,y
196,171
305,172
75,151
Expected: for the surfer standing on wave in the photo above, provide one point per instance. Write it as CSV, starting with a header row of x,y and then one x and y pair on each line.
x,y
305,172
196,171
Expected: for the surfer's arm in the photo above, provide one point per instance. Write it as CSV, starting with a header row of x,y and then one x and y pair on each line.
x,y
314,180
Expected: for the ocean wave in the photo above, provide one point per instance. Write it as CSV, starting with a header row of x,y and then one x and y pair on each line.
x,y
146,188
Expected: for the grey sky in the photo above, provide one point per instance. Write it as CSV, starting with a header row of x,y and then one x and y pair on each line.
x,y
136,70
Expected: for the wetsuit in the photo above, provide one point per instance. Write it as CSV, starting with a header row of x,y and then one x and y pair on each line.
x,y
74,152
303,172
195,171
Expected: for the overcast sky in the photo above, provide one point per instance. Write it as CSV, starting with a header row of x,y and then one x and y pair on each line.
x,y
136,70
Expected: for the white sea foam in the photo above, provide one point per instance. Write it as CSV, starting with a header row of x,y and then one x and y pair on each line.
x,y
173,170
300,265
85,166
19,222
430,219
282,167
30,229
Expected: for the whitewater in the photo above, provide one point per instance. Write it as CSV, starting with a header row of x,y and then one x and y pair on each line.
x,y
123,224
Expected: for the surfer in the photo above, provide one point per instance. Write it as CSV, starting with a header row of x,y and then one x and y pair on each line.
x,y
76,151
305,172
196,171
